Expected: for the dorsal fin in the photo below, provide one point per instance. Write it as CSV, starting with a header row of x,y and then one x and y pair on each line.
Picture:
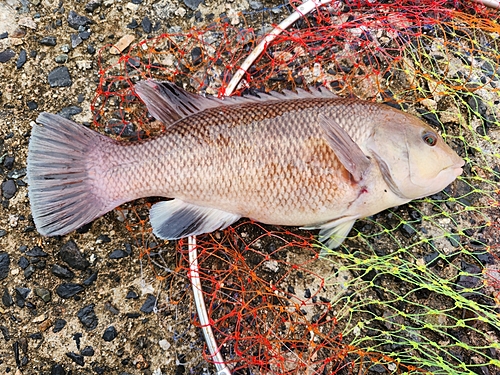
x,y
169,103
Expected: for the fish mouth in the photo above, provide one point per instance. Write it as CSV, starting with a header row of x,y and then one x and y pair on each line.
x,y
457,167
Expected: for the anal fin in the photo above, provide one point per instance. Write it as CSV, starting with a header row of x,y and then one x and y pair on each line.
x,y
176,219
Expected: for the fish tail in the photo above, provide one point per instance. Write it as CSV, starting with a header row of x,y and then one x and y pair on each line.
x,y
63,173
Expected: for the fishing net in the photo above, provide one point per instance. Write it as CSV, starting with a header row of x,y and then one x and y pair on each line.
x,y
413,289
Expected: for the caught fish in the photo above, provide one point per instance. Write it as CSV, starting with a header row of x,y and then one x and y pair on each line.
x,y
306,159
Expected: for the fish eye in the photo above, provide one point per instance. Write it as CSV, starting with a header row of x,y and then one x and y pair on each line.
x,y
430,138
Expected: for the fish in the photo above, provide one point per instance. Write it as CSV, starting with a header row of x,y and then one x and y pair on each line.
x,y
307,158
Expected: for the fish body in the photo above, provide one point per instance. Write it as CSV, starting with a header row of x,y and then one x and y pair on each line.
x,y
306,159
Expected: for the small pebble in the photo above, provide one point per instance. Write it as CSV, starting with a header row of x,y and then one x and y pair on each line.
x,y
88,351
77,338
59,77
43,293
59,324
112,309
4,35
131,295
90,280
27,22
48,41
255,5
8,162
164,344
133,24
4,265
62,272
36,336
61,59
92,5
408,230
72,110
23,57
196,55
378,369
87,317
75,20
307,293
430,258
146,25
77,358
102,239
122,44
9,189
192,4
454,239
128,249
21,295
71,255
32,105
18,33
3,232
68,290
29,271
23,262
17,173
109,334
149,305
36,251
57,369
118,254
7,298
76,40
84,35
91,49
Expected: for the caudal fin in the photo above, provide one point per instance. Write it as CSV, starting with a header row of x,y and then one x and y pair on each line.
x,y
63,164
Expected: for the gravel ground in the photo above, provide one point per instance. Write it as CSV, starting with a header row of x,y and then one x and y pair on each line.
x,y
82,303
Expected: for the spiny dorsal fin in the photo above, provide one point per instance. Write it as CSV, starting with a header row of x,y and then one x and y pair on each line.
x,y
169,103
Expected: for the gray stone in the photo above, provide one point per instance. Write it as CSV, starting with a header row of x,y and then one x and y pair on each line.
x,y
4,265
75,20
193,4
59,77
9,189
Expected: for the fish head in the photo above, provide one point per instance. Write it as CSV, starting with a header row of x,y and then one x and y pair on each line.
x,y
413,158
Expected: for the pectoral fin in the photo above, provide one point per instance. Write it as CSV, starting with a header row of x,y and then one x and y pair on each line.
x,y
333,233
347,151
176,219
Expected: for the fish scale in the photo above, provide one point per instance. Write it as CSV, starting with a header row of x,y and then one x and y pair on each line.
x,y
265,161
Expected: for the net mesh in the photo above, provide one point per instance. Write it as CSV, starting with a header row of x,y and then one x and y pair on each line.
x,y
413,289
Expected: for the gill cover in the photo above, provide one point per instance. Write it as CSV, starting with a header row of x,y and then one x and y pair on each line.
x,y
412,157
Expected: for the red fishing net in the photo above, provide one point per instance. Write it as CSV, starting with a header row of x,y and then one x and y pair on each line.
x,y
414,288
